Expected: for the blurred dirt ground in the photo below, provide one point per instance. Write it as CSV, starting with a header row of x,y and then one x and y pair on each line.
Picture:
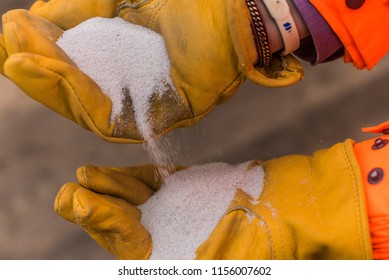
x,y
40,151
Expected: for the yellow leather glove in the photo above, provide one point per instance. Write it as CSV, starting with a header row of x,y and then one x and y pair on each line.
x,y
211,49
104,202
311,207
41,69
210,46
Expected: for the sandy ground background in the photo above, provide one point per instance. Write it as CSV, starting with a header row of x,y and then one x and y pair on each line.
x,y
40,151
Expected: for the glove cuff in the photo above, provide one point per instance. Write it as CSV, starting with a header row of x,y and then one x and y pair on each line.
x,y
372,156
251,45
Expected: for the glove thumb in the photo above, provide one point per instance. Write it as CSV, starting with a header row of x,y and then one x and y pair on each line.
x,y
111,222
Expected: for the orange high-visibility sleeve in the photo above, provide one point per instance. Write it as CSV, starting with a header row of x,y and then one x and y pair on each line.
x,y
362,26
372,156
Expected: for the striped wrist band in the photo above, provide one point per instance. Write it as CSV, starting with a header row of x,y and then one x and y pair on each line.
x,y
280,12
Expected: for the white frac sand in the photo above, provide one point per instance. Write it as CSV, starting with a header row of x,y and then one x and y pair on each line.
x,y
183,213
117,54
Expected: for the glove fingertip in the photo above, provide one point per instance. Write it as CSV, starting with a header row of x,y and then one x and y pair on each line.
x,y
63,203
82,174
90,208
90,177
81,207
17,66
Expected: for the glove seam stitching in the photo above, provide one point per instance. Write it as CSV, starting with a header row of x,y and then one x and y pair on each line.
x,y
356,196
59,198
84,176
154,16
262,219
236,79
